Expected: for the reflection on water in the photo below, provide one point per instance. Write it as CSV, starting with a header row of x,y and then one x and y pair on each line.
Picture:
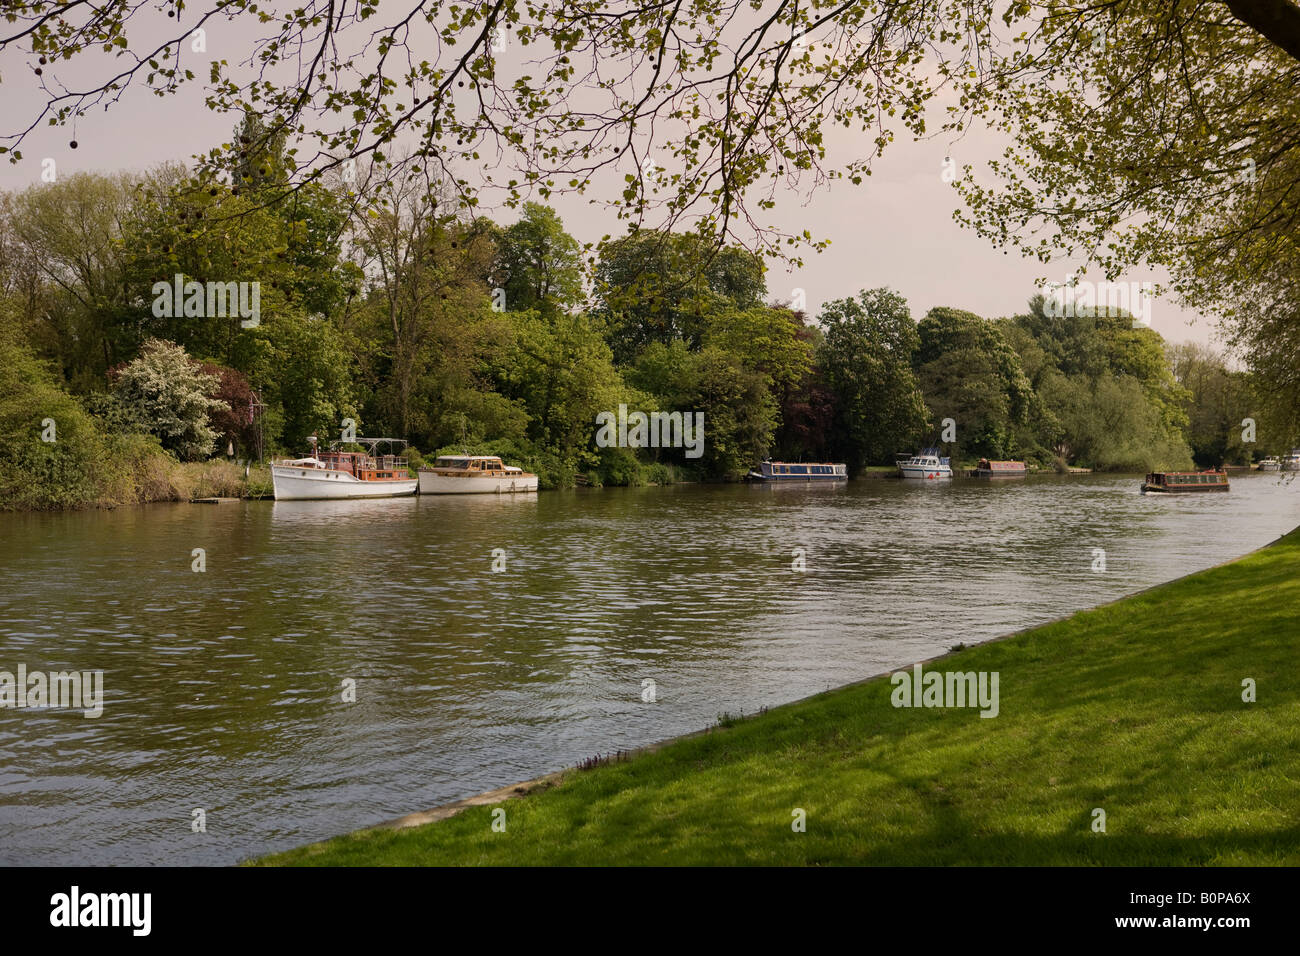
x,y
223,690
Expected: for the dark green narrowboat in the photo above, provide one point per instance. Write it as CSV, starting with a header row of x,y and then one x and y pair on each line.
x,y
1184,482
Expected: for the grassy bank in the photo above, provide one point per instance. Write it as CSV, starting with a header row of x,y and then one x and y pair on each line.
x,y
217,479
1134,708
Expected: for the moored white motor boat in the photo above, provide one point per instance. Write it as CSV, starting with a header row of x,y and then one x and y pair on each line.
x,y
926,464
342,474
474,475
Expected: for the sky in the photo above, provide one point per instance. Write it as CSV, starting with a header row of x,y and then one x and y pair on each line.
x,y
895,230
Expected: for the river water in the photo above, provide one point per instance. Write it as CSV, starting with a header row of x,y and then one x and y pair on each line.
x,y
223,689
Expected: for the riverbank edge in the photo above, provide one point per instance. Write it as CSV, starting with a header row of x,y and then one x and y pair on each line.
x,y
871,473
554,778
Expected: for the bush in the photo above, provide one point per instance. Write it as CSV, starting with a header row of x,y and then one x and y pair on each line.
x,y
139,471
619,466
167,393
67,472
660,473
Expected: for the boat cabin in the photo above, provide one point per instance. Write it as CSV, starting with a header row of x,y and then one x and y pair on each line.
x,y
801,471
368,465
364,467
471,465
926,458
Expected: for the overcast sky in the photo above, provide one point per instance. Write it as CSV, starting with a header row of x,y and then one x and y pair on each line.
x,y
896,229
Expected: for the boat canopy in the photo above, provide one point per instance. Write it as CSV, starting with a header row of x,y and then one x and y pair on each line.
x,y
371,445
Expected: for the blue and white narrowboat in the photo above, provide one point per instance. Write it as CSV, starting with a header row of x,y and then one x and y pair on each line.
x,y
800,471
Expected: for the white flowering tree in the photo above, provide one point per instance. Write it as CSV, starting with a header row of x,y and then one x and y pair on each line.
x,y
167,394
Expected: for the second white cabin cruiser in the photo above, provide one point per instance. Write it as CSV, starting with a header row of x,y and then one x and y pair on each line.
x,y
473,474
926,464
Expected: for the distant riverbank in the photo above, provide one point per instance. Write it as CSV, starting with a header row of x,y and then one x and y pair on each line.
x,y
155,478
1162,729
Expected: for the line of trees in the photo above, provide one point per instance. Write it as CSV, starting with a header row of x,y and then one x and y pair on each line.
x,y
455,332
1146,133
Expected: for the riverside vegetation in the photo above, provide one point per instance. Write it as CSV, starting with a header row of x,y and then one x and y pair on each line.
x,y
1136,708
457,333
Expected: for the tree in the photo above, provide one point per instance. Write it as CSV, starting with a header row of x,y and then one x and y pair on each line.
x,y
767,340
560,369
53,452
740,414
867,360
635,88
1219,401
258,156
70,252
425,323
663,287
538,264
305,376
167,392
1190,159
236,424
969,373
645,90
1107,423
204,236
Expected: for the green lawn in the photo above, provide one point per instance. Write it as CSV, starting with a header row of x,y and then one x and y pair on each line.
x,y
1135,708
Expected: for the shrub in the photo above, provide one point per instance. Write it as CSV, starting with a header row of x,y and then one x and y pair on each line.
x,y
66,472
167,392
660,473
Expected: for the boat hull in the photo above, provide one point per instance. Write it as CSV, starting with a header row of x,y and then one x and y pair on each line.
x,y
318,484
925,471
999,468
1148,489
432,483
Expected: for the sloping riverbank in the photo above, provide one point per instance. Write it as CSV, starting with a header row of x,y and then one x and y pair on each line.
x,y
1134,709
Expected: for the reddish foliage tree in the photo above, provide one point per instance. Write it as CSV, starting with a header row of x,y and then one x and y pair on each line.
x,y
239,424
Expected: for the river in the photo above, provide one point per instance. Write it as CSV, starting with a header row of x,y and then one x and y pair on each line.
x,y
224,689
